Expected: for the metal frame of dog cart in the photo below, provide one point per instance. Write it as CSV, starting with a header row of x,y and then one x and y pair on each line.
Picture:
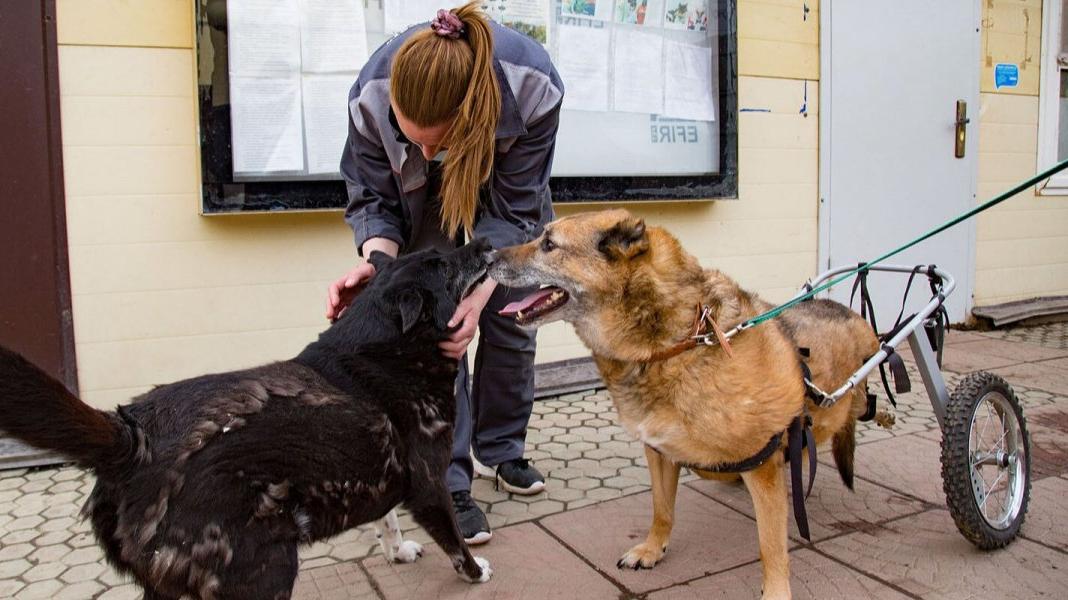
x,y
979,395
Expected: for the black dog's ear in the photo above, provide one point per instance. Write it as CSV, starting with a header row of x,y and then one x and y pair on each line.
x,y
410,303
379,259
625,239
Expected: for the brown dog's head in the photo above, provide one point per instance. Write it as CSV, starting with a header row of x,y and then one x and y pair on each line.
x,y
581,263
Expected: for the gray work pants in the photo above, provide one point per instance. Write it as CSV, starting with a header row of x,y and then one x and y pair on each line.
x,y
493,402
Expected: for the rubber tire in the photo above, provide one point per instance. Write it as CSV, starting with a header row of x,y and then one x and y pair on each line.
x,y
956,464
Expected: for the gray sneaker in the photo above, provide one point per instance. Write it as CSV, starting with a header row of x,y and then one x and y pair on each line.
x,y
520,477
472,521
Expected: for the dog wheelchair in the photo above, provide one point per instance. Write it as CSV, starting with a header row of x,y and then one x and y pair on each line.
x,y
986,471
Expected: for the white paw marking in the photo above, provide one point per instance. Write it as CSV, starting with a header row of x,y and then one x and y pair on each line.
x,y
487,572
408,552
387,530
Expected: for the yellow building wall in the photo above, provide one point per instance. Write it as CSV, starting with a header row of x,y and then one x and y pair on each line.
x,y
1022,244
161,293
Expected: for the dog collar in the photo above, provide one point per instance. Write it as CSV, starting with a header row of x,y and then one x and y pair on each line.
x,y
700,337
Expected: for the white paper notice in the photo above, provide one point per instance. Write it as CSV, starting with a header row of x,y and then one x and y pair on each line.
x,y
264,37
326,119
582,61
688,89
639,72
401,14
333,36
266,123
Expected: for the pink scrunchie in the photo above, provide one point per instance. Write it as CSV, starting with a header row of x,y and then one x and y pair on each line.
x,y
447,24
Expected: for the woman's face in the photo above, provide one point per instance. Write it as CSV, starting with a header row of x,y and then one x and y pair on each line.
x,y
429,139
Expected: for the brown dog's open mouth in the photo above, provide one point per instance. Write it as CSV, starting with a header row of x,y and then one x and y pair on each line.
x,y
536,305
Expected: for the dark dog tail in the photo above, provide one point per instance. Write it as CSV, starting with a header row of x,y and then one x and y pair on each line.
x,y
843,445
38,410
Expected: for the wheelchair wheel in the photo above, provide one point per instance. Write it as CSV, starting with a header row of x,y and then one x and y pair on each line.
x,y
986,469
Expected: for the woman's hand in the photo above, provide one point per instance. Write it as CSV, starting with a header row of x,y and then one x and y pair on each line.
x,y
346,288
466,316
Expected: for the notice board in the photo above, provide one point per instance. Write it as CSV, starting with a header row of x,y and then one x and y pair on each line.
x,y
649,106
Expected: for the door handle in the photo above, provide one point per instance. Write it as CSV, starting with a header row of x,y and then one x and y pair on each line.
x,y
960,136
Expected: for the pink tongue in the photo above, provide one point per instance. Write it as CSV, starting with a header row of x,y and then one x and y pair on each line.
x,y
526,303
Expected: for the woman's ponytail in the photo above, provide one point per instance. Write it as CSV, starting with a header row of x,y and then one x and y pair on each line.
x,y
437,76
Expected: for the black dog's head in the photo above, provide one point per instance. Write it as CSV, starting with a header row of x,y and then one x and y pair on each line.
x,y
416,295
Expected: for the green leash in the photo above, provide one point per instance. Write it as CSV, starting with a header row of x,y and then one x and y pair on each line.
x,y
771,314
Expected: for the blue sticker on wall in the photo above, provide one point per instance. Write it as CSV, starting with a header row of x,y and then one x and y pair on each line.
x,y
1006,75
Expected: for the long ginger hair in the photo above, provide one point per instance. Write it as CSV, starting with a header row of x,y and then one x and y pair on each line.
x,y
435,78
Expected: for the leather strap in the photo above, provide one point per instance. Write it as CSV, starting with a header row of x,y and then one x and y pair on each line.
x,y
741,466
800,436
701,319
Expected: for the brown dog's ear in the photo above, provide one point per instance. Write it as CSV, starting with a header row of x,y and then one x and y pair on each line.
x,y
626,239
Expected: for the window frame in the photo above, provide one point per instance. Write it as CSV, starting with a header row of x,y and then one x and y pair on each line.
x,y
220,194
1048,99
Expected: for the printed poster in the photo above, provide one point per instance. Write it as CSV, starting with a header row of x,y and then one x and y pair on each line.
x,y
582,62
688,85
639,71
333,36
529,17
589,9
265,99
689,15
638,12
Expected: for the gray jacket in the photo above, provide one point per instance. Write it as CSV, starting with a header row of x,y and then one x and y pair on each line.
x,y
387,177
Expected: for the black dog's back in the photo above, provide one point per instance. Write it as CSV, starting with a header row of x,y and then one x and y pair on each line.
x,y
198,475
206,487
239,461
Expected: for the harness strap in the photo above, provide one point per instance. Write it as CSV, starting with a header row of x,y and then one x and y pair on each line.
x,y
820,397
937,333
869,414
902,385
800,436
741,466
867,311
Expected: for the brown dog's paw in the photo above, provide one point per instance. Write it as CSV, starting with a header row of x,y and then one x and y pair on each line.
x,y
885,419
642,556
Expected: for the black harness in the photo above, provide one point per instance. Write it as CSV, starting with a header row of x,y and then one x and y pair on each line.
x,y
799,436
798,433
935,329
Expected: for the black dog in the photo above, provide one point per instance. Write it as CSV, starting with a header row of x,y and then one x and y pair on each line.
x,y
206,487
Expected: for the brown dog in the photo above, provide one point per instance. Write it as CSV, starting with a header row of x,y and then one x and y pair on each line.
x,y
631,293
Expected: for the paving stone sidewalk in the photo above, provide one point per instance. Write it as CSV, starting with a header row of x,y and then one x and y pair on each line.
x,y
892,538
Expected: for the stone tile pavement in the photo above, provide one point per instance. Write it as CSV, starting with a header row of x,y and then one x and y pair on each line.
x,y
892,538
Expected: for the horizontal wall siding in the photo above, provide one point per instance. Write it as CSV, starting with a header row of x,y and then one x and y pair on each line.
x,y
1012,33
1022,244
161,293
135,23
779,38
